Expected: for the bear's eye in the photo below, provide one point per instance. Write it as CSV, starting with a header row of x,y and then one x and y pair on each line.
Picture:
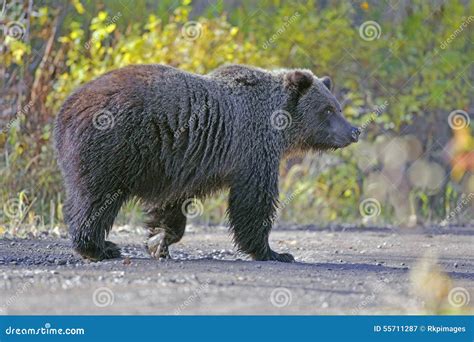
x,y
329,111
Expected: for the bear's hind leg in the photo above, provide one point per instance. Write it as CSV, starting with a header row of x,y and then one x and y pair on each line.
x,y
166,226
89,223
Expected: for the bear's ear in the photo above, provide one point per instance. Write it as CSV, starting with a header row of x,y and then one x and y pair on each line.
x,y
298,79
327,82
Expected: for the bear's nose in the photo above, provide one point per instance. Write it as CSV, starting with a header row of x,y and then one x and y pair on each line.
x,y
355,132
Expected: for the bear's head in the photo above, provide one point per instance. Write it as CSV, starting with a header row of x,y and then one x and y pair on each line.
x,y
319,123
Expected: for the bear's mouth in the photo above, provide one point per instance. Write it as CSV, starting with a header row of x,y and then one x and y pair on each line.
x,y
331,146
324,147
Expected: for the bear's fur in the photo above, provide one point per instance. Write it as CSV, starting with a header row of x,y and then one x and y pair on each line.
x,y
165,136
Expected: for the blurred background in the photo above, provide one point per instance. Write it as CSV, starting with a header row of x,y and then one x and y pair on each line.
x,y
403,71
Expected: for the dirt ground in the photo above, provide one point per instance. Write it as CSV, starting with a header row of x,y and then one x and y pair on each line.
x,y
337,271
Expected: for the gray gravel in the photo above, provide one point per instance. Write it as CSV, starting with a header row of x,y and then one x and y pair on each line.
x,y
338,271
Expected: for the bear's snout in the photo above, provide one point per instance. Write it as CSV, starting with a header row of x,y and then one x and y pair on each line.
x,y
355,132
342,132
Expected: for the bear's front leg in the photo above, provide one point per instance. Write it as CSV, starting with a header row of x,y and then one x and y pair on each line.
x,y
252,206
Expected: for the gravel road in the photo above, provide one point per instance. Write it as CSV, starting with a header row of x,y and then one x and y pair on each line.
x,y
337,271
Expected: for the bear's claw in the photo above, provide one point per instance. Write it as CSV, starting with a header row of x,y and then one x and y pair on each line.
x,y
274,256
111,251
282,257
157,247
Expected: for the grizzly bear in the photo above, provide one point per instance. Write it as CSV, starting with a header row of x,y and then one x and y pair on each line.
x,y
166,136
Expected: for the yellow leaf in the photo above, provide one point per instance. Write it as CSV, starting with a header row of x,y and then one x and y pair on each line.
x,y
110,28
64,39
102,15
78,6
